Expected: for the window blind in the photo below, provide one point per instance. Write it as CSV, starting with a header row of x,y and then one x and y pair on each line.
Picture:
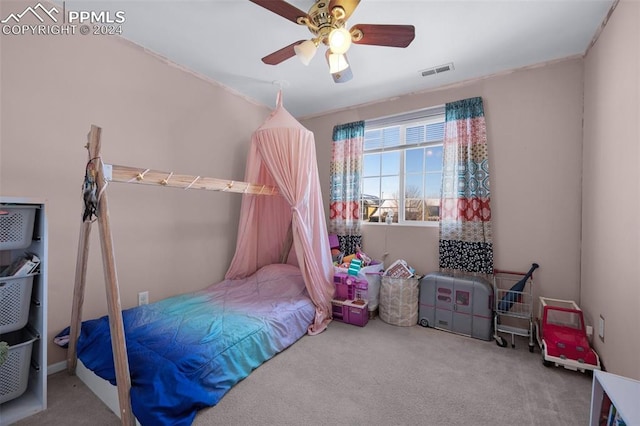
x,y
404,118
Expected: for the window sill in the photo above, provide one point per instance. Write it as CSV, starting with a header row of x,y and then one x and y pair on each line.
x,y
404,224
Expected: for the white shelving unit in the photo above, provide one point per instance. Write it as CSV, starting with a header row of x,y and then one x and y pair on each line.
x,y
623,392
34,399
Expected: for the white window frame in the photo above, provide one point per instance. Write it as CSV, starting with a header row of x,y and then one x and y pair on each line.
x,y
424,117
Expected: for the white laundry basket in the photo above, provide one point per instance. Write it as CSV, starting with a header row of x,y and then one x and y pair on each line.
x,y
15,300
14,371
16,226
372,275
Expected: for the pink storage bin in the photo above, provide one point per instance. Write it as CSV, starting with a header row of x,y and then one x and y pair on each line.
x,y
358,315
349,312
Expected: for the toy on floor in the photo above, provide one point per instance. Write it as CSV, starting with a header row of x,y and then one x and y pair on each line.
x,y
360,255
353,262
562,336
399,269
336,255
515,292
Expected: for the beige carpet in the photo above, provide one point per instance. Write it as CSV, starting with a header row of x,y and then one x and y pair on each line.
x,y
377,375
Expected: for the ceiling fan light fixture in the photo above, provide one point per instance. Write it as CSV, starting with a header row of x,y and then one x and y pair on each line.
x,y
337,63
342,76
326,20
339,40
305,51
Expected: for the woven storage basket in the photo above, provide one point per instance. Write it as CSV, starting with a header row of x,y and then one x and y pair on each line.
x,y
399,301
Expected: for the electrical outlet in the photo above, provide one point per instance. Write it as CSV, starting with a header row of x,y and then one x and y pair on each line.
x,y
143,298
601,328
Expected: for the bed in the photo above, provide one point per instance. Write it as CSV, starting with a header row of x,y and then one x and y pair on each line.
x,y
187,351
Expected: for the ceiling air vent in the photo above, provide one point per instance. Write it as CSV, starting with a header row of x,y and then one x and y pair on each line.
x,y
437,70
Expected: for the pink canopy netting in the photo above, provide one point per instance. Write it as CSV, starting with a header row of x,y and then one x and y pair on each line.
x,y
283,154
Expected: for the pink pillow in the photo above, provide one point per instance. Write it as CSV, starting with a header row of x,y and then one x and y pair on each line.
x,y
280,280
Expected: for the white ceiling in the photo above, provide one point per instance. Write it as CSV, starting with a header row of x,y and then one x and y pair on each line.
x,y
225,40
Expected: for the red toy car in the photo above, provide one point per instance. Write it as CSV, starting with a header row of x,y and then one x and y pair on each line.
x,y
562,336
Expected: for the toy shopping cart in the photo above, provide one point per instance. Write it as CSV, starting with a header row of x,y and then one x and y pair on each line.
x,y
513,292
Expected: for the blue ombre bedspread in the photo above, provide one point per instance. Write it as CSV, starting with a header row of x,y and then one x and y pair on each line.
x,y
186,352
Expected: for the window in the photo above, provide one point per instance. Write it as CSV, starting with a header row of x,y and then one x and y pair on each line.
x,y
402,168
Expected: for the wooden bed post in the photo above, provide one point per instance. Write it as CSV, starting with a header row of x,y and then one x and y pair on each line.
x,y
78,295
116,325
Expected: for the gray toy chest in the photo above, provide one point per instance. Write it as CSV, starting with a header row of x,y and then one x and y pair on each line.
x,y
462,304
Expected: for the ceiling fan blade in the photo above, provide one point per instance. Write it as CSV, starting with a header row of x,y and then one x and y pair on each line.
x,y
348,5
385,35
282,8
281,55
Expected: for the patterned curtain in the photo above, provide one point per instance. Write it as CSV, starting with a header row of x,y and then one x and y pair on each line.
x,y
346,166
465,213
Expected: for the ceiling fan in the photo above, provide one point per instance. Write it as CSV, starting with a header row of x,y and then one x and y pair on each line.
x,y
327,22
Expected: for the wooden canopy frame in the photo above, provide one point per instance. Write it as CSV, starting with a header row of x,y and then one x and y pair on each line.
x,y
116,325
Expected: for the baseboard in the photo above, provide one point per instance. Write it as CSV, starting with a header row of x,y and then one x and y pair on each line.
x,y
56,368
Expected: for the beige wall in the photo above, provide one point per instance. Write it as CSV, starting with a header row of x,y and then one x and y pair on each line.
x,y
154,115
611,189
534,127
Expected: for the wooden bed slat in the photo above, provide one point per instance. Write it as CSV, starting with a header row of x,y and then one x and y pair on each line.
x,y
116,324
78,295
156,177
